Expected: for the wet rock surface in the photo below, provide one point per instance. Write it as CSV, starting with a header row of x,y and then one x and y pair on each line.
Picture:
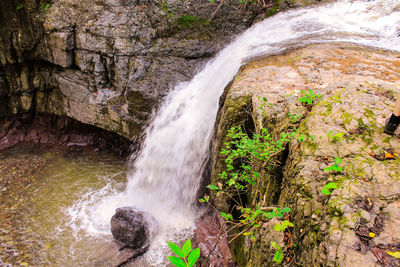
x,y
106,63
47,129
211,237
358,223
133,230
109,63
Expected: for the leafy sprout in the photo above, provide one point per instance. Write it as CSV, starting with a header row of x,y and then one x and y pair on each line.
x,y
327,188
336,166
186,256
309,97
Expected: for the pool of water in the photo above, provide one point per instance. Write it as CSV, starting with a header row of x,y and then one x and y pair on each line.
x,y
38,190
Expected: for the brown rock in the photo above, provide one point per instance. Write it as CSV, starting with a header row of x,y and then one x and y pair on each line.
x,y
211,238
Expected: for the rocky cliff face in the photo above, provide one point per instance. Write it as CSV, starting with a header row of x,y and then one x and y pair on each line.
x,y
358,223
109,62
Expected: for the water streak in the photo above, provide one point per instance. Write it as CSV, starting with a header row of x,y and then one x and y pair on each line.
x,y
166,174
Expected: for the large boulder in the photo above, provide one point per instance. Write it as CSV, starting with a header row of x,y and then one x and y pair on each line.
x,y
133,228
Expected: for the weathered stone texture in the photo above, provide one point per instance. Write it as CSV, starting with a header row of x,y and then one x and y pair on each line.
x,y
359,87
107,63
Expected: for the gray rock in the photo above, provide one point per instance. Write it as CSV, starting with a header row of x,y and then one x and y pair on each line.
x,y
67,55
133,228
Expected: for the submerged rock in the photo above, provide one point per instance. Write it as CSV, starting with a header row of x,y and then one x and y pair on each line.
x,y
133,228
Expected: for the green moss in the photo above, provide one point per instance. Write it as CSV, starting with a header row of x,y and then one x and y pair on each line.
x,y
347,117
238,251
191,21
312,146
387,140
272,11
305,191
328,107
368,113
337,98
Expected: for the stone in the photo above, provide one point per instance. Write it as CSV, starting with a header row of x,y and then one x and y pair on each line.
x,y
66,55
133,228
359,219
211,230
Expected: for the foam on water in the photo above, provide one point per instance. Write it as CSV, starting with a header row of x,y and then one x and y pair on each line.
x,y
166,174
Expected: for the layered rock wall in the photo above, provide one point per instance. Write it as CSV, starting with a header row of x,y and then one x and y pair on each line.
x,y
108,62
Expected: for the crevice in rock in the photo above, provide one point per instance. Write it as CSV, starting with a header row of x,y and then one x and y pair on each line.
x,y
284,157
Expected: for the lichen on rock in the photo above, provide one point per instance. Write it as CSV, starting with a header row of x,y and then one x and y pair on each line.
x,y
358,86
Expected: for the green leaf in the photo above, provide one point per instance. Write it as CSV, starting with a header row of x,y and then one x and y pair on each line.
x,y
226,216
275,245
282,226
338,160
186,248
327,187
278,257
177,261
328,169
176,249
278,227
212,187
193,256
285,209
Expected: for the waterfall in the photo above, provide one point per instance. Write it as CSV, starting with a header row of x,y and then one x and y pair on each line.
x,y
166,174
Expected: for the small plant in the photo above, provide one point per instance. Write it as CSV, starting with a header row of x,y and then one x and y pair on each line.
x,y
205,199
309,97
335,167
241,150
327,188
186,256
45,6
294,118
335,138
277,212
278,257
226,216
283,225
264,104
20,6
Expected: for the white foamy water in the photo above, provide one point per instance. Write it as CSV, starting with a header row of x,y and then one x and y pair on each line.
x,y
165,177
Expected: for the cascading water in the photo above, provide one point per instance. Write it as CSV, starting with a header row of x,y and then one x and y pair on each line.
x,y
166,175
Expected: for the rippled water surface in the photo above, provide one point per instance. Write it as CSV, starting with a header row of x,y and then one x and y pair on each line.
x,y
38,189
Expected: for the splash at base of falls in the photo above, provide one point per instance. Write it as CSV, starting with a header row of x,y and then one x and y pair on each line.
x,y
93,212
166,174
